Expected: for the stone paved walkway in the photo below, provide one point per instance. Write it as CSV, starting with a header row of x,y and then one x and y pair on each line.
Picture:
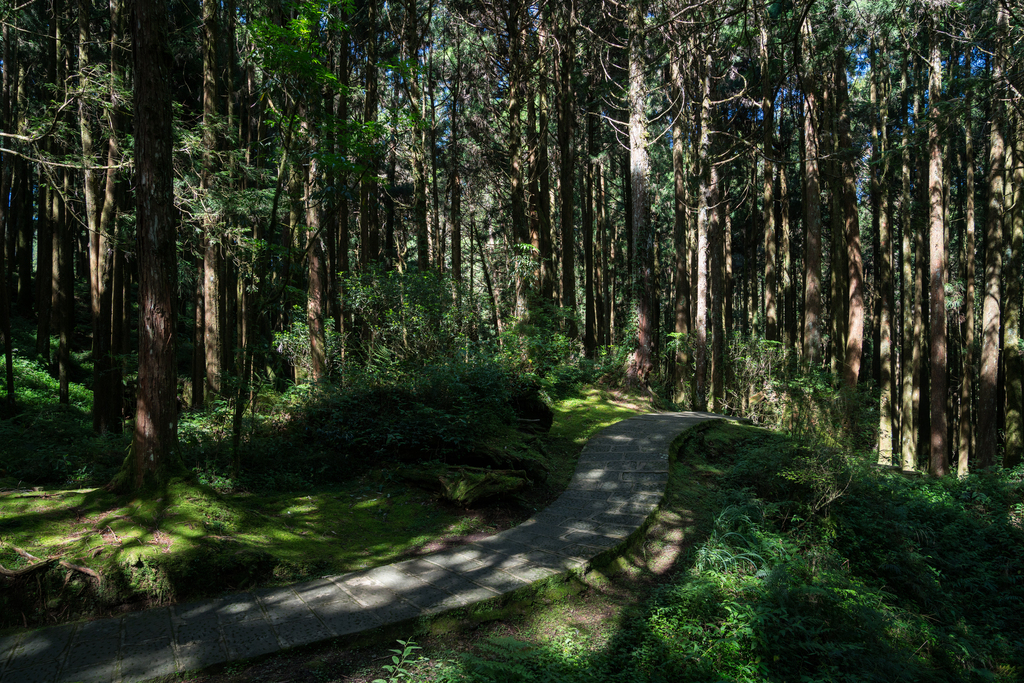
x,y
619,481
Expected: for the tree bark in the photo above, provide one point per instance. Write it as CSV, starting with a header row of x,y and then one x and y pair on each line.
x,y
967,358
1013,448
515,28
854,262
908,432
719,288
642,364
154,455
101,211
705,207
418,149
454,174
812,213
543,172
681,295
369,222
988,395
771,313
589,214
881,208
213,269
565,34
316,299
5,184
939,460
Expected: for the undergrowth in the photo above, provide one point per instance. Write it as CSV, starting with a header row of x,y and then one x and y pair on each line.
x,y
817,567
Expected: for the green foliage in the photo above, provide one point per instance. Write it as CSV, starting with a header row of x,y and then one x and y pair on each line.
x,y
402,658
893,579
761,369
45,442
434,414
410,318
293,344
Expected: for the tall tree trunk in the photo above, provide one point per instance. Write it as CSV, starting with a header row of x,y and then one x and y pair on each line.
x,y
454,175
919,222
369,224
64,238
44,270
589,214
768,210
436,235
488,282
101,211
154,455
533,189
642,363
988,395
547,271
66,291
681,295
213,268
706,203
1013,362
601,263
786,247
854,263
565,34
5,184
967,368
316,306
23,229
880,207
812,212
418,149
908,431
516,29
340,268
939,461
719,288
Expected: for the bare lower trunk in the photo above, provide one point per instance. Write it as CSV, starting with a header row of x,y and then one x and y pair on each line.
x,y
939,460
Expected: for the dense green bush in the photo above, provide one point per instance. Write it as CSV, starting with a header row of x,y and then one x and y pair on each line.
x,y
427,415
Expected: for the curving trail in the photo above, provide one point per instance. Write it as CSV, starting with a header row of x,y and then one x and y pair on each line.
x,y
619,481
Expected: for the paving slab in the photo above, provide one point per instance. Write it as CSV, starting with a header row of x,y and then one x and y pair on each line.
x,y
7,646
249,638
92,659
344,616
39,655
618,483
146,659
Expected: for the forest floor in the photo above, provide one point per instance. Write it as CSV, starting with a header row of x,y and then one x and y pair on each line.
x,y
193,540
576,621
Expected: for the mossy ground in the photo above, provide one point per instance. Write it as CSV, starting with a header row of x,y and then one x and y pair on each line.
x,y
189,540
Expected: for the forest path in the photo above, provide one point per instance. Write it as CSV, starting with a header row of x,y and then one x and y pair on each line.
x,y
618,483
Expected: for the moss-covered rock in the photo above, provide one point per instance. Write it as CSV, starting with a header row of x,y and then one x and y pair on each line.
x,y
467,485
